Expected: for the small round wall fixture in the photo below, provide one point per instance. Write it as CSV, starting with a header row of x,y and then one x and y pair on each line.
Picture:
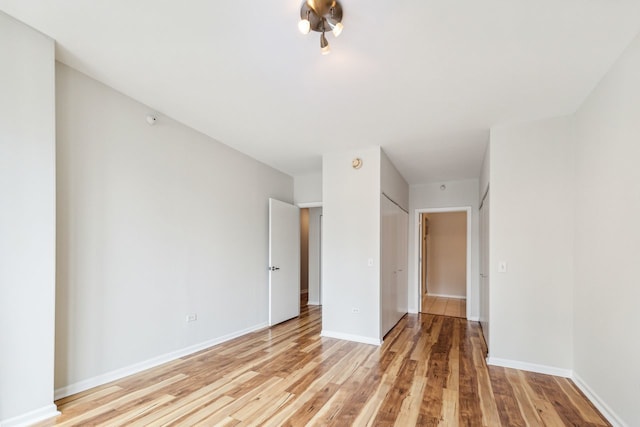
x,y
322,16
443,187
356,163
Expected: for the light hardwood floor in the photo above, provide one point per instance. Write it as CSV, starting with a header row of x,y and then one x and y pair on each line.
x,y
444,306
429,371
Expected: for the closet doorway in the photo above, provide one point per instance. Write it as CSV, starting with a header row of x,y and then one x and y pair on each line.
x,y
444,261
311,255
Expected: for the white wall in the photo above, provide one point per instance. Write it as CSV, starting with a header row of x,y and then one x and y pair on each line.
x,y
351,237
607,240
484,172
531,226
315,292
429,196
307,189
27,223
447,254
154,223
392,183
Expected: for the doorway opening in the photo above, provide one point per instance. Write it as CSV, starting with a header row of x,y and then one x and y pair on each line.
x,y
304,256
444,261
310,255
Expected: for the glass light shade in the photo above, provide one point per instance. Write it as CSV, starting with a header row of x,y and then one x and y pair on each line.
x,y
337,29
304,26
325,50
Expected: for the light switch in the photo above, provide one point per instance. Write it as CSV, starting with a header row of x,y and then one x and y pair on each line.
x,y
502,267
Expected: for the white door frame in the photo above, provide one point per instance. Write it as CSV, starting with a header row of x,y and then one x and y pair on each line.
x,y
418,213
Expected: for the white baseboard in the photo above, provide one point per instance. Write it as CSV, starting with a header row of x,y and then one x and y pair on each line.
x,y
33,417
350,337
531,367
473,318
606,411
147,364
447,296
310,302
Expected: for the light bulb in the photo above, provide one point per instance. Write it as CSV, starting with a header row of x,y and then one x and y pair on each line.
x,y
324,45
304,26
337,29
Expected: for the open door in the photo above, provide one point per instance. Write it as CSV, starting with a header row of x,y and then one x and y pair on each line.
x,y
284,261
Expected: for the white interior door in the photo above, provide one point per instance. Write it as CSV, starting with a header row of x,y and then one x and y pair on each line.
x,y
393,265
284,261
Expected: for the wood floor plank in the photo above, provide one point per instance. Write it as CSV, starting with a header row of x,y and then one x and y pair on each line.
x,y
87,398
438,306
588,412
524,397
307,411
358,392
239,401
450,414
442,306
98,413
194,417
506,401
452,308
127,416
430,371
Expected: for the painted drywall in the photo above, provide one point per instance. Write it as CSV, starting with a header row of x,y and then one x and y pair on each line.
x,y
350,239
484,245
484,172
392,183
531,229
447,254
484,313
27,223
315,244
607,240
154,223
307,189
461,193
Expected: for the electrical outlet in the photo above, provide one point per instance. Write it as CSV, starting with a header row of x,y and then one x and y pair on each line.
x,y
370,262
192,317
355,310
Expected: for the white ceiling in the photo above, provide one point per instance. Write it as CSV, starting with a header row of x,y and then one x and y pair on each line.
x,y
424,79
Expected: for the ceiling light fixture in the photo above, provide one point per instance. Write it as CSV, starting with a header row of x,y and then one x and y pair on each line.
x,y
321,16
